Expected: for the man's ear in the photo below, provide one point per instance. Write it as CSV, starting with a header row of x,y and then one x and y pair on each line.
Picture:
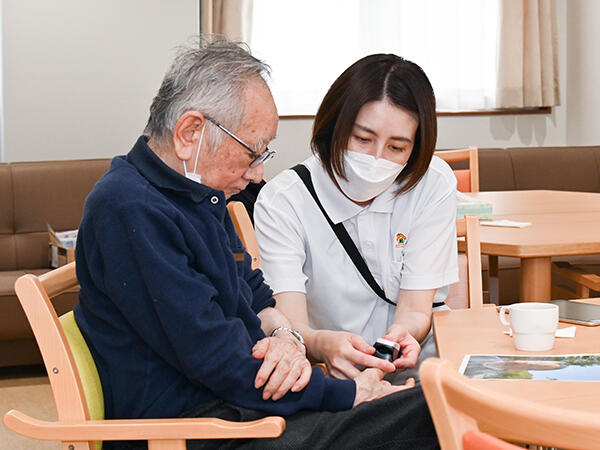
x,y
186,133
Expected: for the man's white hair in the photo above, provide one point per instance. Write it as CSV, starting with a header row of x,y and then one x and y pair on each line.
x,y
209,78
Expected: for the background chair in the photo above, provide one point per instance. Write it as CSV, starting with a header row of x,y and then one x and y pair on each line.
x,y
584,280
467,179
78,393
468,292
463,410
245,230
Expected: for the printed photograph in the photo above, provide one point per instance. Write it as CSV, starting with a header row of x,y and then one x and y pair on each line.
x,y
579,367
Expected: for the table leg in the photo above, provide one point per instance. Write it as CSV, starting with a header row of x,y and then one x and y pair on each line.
x,y
493,280
536,278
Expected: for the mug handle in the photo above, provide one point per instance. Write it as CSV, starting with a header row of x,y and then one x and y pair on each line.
x,y
503,310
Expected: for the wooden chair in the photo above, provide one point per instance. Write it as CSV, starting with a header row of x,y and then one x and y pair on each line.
x,y
467,179
584,281
245,230
468,292
78,393
462,410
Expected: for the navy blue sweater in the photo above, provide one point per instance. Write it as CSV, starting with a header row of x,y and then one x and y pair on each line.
x,y
169,315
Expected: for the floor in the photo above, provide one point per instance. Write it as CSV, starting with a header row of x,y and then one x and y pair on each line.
x,y
26,390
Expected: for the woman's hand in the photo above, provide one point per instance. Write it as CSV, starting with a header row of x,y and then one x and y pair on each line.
x,y
371,386
285,366
341,351
409,346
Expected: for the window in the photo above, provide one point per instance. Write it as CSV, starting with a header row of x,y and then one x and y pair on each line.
x,y
309,43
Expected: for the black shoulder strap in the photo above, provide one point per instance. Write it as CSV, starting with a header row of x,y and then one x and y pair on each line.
x,y
342,235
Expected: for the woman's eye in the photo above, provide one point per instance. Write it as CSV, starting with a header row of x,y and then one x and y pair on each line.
x,y
397,149
362,139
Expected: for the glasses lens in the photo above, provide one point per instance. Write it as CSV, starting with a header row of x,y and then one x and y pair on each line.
x,y
263,158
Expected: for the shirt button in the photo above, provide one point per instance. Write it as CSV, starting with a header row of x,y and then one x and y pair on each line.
x,y
369,244
214,199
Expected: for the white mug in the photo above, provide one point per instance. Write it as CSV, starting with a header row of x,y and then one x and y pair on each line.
x,y
533,325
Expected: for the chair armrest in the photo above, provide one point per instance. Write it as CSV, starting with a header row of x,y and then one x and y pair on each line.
x,y
143,429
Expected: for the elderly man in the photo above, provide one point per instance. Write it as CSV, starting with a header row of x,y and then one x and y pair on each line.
x,y
174,316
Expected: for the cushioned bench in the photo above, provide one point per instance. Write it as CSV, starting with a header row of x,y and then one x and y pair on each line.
x,y
31,195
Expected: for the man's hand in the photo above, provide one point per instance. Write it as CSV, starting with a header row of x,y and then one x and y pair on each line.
x,y
342,351
285,366
409,346
371,386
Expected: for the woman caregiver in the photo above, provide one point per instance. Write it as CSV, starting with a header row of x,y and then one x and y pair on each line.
x,y
372,172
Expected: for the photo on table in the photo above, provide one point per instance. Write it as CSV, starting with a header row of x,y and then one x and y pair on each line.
x,y
575,367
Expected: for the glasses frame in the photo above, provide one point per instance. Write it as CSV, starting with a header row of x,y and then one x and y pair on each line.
x,y
258,157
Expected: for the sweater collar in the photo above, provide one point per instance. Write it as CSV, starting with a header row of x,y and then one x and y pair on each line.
x,y
162,176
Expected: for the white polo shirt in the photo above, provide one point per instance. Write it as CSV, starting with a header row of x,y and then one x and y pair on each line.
x,y
408,242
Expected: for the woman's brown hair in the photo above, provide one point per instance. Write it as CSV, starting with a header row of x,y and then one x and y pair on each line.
x,y
373,78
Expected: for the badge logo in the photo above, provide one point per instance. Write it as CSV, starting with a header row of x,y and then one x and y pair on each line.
x,y
400,240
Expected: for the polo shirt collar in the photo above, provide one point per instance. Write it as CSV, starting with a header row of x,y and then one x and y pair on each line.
x,y
162,176
339,207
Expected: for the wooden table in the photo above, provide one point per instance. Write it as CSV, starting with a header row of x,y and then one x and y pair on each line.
x,y
563,223
479,331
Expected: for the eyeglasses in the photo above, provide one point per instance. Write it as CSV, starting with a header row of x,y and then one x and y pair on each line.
x,y
258,157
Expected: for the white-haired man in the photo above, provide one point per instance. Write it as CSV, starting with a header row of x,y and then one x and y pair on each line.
x,y
176,320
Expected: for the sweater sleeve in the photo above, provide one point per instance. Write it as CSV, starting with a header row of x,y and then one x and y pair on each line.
x,y
153,277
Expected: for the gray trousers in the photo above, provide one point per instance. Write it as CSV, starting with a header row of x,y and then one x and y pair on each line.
x,y
398,421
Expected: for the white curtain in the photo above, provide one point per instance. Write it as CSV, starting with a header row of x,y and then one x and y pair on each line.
x,y
308,43
229,18
527,54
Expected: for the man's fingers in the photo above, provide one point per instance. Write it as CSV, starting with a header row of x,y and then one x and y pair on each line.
x,y
410,383
280,382
264,372
304,378
287,382
260,348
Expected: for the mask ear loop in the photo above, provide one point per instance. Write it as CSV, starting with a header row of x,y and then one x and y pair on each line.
x,y
197,151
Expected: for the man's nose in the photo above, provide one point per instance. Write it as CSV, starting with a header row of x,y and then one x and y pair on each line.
x,y
256,173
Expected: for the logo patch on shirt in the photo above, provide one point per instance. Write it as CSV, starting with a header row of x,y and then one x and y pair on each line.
x,y
400,240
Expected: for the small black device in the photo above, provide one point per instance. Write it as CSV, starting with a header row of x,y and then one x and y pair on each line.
x,y
387,350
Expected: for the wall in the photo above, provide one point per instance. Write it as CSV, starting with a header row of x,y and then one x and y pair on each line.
x,y
583,60
79,75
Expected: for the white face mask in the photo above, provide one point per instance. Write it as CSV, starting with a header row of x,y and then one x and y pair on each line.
x,y
367,177
193,175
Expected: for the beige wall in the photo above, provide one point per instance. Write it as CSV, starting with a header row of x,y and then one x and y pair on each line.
x,y
79,75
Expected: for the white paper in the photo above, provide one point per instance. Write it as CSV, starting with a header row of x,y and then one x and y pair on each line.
x,y
505,223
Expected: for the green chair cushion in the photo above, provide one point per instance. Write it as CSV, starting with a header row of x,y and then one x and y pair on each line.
x,y
87,368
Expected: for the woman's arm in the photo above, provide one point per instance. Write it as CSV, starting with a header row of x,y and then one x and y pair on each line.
x,y
412,321
341,351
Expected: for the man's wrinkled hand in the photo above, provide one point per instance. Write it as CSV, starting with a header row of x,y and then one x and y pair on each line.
x,y
284,368
370,386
